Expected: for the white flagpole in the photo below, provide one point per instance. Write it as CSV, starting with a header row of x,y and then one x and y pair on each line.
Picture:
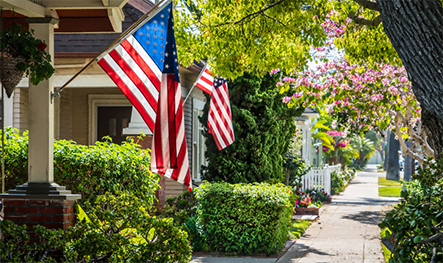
x,y
199,75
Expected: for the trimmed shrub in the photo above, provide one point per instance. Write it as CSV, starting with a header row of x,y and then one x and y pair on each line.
x,y
87,170
244,218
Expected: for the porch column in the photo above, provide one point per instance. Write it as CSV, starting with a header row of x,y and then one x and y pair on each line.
x,y
40,183
41,116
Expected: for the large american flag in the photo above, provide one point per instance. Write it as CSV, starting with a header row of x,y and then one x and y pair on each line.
x,y
144,66
220,116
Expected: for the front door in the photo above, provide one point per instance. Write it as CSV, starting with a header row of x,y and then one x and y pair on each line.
x,y
111,121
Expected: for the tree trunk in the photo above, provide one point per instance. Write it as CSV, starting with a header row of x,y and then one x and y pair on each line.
x,y
407,165
385,164
415,29
393,169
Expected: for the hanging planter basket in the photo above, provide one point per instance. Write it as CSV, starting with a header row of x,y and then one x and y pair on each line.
x,y
10,75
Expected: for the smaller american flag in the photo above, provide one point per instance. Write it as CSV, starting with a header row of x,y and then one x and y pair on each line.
x,y
205,81
220,117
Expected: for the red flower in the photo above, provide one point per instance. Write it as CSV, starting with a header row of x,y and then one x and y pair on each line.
x,y
42,46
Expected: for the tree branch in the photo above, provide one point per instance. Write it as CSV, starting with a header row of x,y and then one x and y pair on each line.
x,y
262,11
367,4
276,20
365,22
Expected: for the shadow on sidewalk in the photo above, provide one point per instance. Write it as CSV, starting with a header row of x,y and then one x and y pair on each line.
x,y
366,217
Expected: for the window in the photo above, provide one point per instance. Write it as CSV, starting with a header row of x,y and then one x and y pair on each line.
x,y
198,140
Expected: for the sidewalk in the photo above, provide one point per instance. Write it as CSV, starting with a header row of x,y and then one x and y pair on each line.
x,y
348,228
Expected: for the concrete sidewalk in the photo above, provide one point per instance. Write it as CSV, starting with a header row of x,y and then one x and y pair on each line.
x,y
348,228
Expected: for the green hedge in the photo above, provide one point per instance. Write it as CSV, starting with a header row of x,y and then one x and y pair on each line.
x,y
87,170
244,218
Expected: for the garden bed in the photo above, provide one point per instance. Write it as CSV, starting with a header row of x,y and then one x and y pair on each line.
x,y
306,211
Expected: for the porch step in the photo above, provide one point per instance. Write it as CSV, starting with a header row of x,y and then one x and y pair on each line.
x,y
305,217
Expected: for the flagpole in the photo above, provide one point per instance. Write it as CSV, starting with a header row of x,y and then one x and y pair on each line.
x,y
189,93
124,34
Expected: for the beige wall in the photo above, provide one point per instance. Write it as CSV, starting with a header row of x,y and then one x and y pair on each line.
x,y
74,111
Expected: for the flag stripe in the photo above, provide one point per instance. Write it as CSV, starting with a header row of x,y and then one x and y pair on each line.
x,y
144,60
110,67
205,81
121,58
223,115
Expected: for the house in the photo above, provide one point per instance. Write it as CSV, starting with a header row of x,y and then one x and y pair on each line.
x,y
309,151
92,106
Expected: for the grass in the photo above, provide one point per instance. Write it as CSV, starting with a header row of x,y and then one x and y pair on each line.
x,y
390,187
380,170
383,181
298,227
389,191
387,254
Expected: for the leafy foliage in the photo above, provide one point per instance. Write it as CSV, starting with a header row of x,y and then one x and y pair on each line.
x,y
263,127
416,223
15,245
121,229
117,229
244,218
340,179
88,170
19,42
365,149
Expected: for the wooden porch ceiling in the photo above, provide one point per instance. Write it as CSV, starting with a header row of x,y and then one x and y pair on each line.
x,y
75,16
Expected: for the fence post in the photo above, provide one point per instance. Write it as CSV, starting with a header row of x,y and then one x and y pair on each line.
x,y
327,179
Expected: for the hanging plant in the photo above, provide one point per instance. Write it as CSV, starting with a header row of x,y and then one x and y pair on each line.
x,y
22,53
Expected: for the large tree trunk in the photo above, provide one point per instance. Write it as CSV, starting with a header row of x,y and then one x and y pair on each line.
x,y
393,168
415,28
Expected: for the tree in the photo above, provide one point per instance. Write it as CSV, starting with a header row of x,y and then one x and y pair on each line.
x,y
263,127
260,35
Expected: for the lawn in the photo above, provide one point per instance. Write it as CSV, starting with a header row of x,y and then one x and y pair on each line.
x,y
383,181
298,227
389,191
389,188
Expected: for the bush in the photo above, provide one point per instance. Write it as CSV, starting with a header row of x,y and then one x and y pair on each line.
x,y
340,179
183,209
263,127
416,222
244,218
116,229
15,245
87,170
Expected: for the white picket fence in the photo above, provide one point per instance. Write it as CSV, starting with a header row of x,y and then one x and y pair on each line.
x,y
318,178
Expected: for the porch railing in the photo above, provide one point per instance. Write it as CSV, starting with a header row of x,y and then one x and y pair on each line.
x,y
318,178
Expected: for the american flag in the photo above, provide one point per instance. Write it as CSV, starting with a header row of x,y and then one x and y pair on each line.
x,y
205,80
144,66
220,117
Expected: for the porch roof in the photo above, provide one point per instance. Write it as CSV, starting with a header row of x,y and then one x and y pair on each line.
x,y
74,16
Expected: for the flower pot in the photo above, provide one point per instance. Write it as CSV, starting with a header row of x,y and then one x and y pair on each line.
x,y
10,75
306,211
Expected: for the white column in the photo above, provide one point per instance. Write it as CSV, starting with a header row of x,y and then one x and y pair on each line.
x,y
8,109
136,125
41,117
